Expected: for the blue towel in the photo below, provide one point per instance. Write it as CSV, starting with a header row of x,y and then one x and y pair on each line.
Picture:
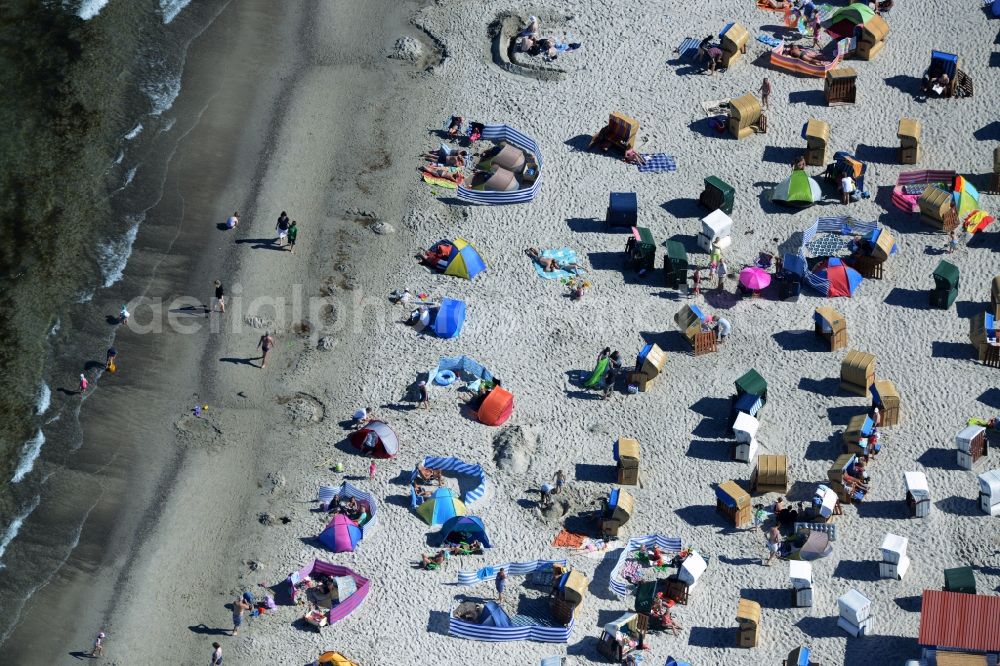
x,y
564,256
769,40
688,47
658,163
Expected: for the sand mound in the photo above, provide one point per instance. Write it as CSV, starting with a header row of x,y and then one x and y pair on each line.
x,y
513,449
303,409
407,48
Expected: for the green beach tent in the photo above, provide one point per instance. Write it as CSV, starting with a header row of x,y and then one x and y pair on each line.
x,y
797,190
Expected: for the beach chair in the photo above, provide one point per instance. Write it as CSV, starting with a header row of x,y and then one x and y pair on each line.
x,y
886,398
734,503
640,250
989,492
648,366
626,455
950,64
871,38
840,86
918,494
748,619
946,281
719,195
937,209
894,562
857,373
800,576
689,320
831,326
908,134
970,443
675,264
746,117
770,475
620,133
817,136
733,42
960,579
855,613
623,210
799,657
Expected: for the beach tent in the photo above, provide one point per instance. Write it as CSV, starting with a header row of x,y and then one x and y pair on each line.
x,y
965,196
464,529
441,506
464,260
840,279
493,615
449,319
799,190
816,546
843,20
330,496
341,535
521,191
497,407
376,438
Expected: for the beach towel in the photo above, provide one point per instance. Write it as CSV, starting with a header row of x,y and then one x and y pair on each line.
x,y
566,539
439,181
688,48
658,163
716,107
769,40
596,378
563,255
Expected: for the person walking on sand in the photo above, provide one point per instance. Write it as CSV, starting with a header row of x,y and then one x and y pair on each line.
x,y
240,606
98,649
422,396
765,92
264,345
233,221
501,583
111,365
123,315
293,232
220,297
773,544
560,479
282,227
611,374
371,470
720,272
216,655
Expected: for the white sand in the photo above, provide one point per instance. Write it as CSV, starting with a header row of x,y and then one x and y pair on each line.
x,y
526,332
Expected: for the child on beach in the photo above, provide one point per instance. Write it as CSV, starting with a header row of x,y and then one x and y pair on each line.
x,y
264,345
98,650
216,655
293,232
952,242
233,221
240,606
123,315
501,583
111,366
83,384
220,297
371,471
765,92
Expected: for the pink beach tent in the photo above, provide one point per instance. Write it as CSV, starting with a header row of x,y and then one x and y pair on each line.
x,y
341,535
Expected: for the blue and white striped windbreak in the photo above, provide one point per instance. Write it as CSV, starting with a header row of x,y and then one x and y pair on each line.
x,y
455,466
522,628
620,586
845,225
348,491
515,138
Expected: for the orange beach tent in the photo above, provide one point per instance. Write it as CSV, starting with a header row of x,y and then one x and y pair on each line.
x,y
497,407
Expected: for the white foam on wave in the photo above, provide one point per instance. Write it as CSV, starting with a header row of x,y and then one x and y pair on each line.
x,y
113,256
90,8
121,156
134,132
44,399
55,327
85,296
15,527
129,177
171,8
162,92
29,454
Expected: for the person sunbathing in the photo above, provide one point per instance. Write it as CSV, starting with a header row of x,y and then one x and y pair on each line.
x,y
434,561
446,158
426,474
474,548
548,264
532,29
437,256
420,491
811,57
444,172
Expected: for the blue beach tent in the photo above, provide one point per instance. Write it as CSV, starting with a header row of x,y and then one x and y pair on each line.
x,y
465,528
449,319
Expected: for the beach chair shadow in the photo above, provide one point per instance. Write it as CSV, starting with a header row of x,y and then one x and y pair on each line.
x,y
767,598
909,85
825,386
959,506
876,154
820,627
939,458
886,509
595,473
823,449
797,341
911,604
967,309
959,351
684,207
990,397
586,225
711,637
913,299
841,416
860,651
703,127
700,515
989,132
807,97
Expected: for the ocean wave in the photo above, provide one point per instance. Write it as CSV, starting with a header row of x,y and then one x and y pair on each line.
x,y
90,8
15,527
44,399
113,256
29,454
84,296
171,8
121,156
134,132
55,327
129,177
162,92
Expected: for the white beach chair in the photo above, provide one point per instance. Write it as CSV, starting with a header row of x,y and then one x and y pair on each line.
x,y
894,560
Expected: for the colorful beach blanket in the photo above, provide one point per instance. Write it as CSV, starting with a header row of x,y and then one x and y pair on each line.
x,y
769,40
567,539
564,256
658,163
439,181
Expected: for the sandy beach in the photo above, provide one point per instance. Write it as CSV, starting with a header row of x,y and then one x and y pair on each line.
x,y
330,128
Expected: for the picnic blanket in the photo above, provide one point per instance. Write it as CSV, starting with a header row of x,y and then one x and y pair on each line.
x,y
564,256
566,539
658,163
716,107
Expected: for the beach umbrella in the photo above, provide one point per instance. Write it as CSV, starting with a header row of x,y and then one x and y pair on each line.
x,y
439,507
754,278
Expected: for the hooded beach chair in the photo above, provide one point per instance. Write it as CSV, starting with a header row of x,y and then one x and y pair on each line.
x,y
620,133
